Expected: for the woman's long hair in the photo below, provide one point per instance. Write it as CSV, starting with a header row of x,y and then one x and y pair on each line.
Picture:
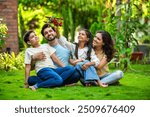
x,y
89,44
108,47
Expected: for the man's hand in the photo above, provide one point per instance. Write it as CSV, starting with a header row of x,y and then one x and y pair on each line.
x,y
39,56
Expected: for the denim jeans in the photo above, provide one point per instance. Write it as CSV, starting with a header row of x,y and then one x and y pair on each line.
x,y
65,72
32,80
74,78
87,75
48,77
112,77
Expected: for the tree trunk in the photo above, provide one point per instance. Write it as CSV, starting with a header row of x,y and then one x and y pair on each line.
x,y
118,13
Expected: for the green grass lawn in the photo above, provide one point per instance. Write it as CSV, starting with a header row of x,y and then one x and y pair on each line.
x,y
134,86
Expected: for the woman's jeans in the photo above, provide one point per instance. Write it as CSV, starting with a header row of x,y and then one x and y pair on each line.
x,y
49,77
111,78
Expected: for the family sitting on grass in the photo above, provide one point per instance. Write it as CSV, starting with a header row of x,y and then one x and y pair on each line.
x,y
61,63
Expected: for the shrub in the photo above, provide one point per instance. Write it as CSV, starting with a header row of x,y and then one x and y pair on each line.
x,y
3,33
11,61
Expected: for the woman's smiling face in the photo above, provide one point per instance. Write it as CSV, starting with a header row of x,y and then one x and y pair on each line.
x,y
98,41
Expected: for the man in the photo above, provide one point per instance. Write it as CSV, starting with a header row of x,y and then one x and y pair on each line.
x,y
62,52
47,74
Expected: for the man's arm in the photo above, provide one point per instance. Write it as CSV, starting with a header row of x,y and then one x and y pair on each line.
x,y
57,60
27,74
66,44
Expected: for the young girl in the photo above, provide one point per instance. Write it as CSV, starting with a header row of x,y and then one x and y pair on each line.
x,y
83,56
104,49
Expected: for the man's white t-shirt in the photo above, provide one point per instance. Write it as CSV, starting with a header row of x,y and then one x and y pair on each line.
x,y
40,64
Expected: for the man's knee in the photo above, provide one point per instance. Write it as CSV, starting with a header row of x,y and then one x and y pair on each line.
x,y
32,80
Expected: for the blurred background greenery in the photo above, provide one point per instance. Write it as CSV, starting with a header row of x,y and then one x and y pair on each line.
x,y
127,20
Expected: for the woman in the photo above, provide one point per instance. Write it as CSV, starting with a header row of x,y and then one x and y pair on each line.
x,y
104,49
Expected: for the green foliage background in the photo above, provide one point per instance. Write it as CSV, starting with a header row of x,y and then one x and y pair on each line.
x,y
3,33
124,21
11,61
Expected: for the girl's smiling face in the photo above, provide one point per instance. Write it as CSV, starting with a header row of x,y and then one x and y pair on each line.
x,y
82,37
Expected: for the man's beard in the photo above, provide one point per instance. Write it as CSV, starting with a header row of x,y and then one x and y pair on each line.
x,y
51,39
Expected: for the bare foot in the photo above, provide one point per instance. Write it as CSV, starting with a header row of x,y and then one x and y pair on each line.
x,y
102,84
32,88
73,84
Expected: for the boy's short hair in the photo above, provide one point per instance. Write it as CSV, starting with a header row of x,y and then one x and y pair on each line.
x,y
26,36
46,26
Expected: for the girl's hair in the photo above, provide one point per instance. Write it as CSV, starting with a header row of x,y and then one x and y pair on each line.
x,y
89,44
108,46
47,25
